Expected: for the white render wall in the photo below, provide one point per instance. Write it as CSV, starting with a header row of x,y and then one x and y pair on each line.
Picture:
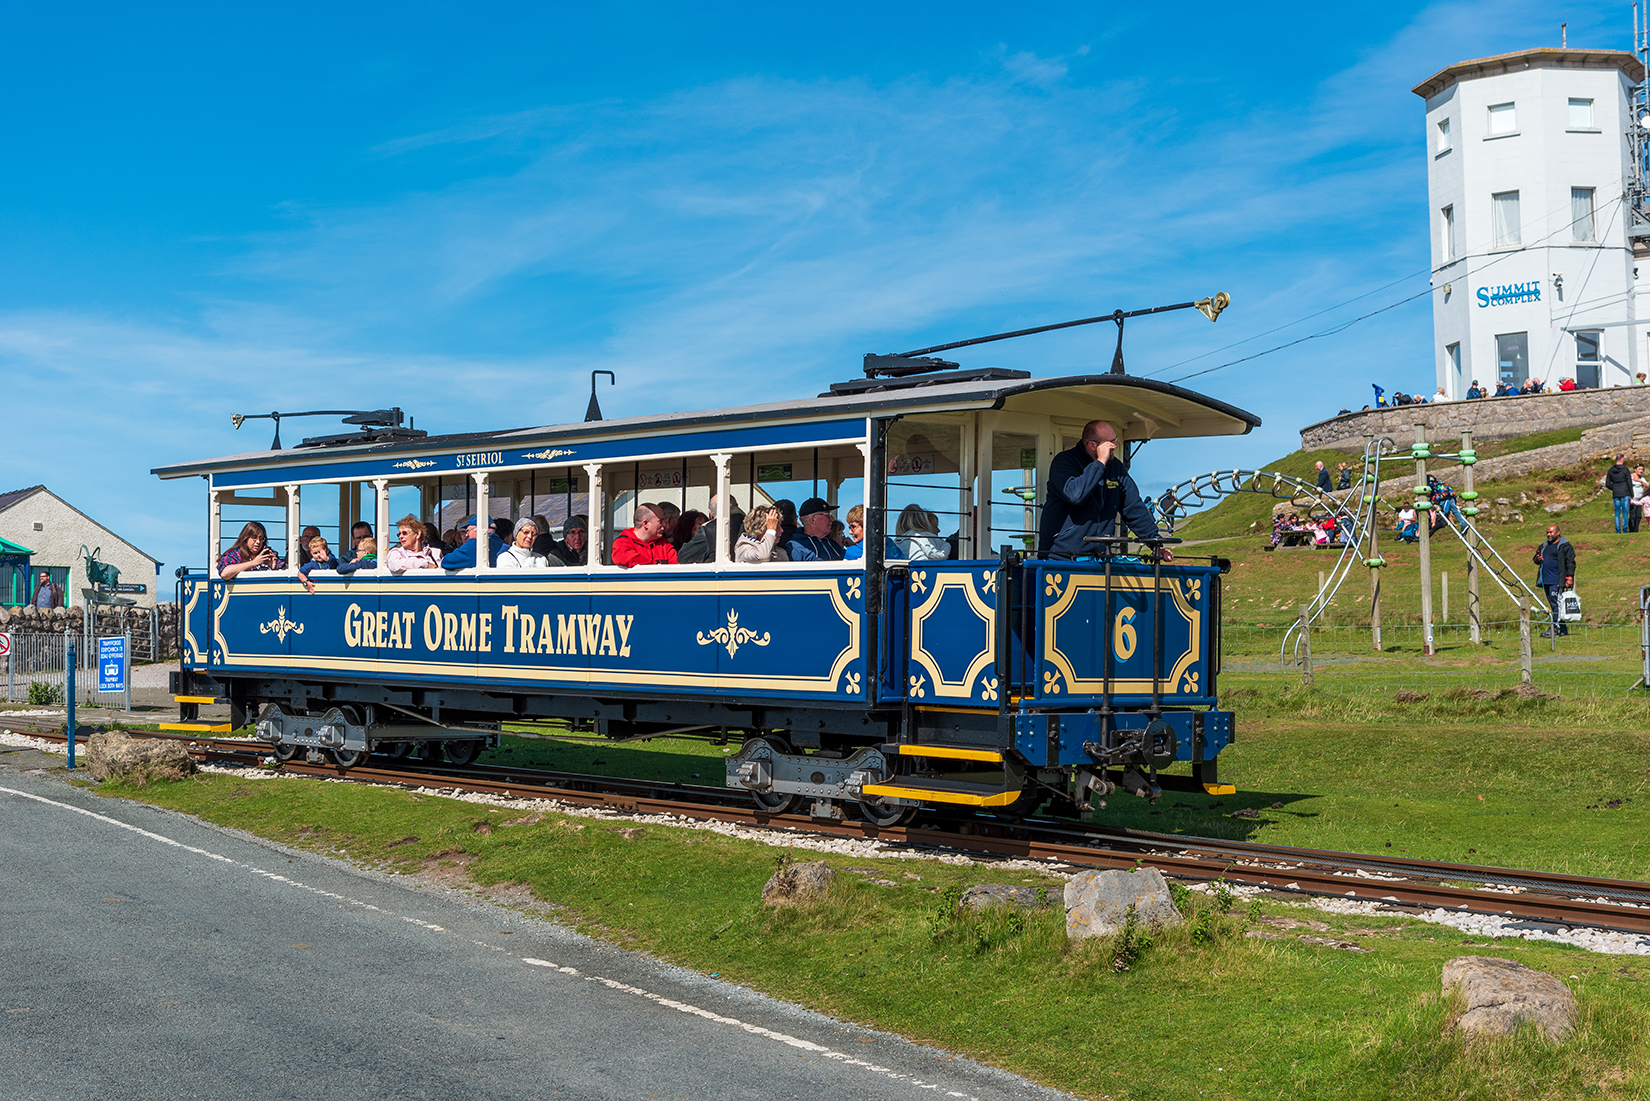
x,y
57,543
1542,161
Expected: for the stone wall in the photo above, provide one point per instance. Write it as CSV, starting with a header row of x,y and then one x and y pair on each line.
x,y
109,621
1489,418
1597,447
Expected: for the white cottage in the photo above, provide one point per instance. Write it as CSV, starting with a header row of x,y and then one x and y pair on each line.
x,y
53,531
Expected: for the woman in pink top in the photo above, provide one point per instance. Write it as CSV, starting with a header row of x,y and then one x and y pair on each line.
x,y
410,553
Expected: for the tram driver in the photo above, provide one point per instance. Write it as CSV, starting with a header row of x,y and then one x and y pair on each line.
x,y
1088,486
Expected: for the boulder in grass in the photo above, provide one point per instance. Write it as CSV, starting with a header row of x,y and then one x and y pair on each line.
x,y
982,895
798,884
137,760
1501,994
1096,902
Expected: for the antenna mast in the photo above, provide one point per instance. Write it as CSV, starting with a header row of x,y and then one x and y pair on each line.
x,y
1636,192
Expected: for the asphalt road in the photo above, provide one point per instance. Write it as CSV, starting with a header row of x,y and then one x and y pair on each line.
x,y
147,955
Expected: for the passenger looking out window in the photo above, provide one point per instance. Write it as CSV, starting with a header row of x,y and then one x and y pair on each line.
x,y
463,556
358,531
320,557
856,533
759,541
701,548
813,543
366,556
411,552
251,553
643,543
573,546
520,555
917,534
304,539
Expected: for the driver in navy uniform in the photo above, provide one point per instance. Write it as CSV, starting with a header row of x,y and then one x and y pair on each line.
x,y
1088,487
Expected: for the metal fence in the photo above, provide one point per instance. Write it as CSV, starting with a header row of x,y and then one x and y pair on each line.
x,y
35,671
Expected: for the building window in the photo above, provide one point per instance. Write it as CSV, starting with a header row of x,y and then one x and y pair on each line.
x,y
1452,362
1581,214
1588,359
1503,119
1504,207
1446,229
1512,355
1443,136
1581,114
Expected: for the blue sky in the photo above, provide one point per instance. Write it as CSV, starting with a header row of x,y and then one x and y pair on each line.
x,y
462,210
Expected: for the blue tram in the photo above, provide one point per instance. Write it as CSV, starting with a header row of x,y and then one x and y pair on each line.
x,y
954,669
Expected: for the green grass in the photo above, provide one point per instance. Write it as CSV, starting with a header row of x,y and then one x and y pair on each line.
x,y
1205,1014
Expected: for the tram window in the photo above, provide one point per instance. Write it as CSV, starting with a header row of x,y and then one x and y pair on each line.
x,y
1015,491
557,495
924,517
835,474
238,507
457,499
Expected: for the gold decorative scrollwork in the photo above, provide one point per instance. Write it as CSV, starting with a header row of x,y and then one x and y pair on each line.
x,y
281,626
733,636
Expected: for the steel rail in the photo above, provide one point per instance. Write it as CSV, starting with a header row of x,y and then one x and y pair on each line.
x,y
1535,896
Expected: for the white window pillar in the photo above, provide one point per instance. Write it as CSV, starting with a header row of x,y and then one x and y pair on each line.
x,y
381,511
724,533
596,537
865,450
484,521
293,532
214,528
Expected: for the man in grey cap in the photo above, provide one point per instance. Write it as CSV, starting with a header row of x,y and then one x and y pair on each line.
x,y
574,545
812,542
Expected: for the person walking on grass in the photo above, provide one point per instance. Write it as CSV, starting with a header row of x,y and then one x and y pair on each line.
x,y
1557,559
1619,481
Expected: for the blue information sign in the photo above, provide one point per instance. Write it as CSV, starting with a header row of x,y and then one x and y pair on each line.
x,y
111,664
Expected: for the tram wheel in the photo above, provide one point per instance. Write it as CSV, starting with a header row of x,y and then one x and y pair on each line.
x,y
284,752
396,750
461,753
879,812
775,802
349,758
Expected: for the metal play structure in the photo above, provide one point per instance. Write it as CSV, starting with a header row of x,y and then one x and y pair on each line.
x,y
1355,512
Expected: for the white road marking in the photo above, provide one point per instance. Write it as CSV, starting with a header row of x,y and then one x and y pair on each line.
x,y
659,999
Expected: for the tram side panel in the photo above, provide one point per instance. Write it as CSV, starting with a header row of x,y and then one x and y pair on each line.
x,y
779,635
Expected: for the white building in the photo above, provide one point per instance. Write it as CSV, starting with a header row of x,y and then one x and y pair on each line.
x,y
55,531
1534,272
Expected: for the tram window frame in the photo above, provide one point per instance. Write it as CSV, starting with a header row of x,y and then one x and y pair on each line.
x,y
817,470
909,429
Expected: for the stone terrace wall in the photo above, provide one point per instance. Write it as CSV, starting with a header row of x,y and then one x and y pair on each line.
x,y
1489,418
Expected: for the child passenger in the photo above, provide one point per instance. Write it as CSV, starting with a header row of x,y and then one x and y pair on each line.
x,y
320,558
366,557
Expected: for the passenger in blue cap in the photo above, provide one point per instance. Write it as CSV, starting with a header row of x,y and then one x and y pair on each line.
x,y
463,556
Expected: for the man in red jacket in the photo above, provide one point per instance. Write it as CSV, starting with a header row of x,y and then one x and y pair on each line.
x,y
643,544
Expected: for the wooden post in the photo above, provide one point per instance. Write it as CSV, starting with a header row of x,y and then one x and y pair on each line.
x,y
1425,517
1526,669
1443,588
1321,584
1306,648
1475,626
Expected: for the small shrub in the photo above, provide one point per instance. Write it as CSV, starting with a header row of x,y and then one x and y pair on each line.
x,y
1133,942
1181,897
1223,896
1203,928
43,694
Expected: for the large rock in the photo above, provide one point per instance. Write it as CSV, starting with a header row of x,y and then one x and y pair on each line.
x,y
1501,994
798,884
137,760
1097,901
981,895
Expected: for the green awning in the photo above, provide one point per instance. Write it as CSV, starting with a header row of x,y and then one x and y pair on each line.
x,y
7,547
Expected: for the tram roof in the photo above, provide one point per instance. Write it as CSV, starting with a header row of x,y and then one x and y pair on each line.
x,y
1144,408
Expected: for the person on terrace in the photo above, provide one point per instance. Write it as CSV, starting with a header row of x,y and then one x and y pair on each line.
x,y
251,553
643,543
411,551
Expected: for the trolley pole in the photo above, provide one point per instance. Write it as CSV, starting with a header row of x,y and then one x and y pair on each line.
x,y
1469,494
1423,510
1374,560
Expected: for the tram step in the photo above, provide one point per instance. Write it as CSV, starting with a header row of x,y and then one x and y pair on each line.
x,y
945,791
199,699
953,752
198,728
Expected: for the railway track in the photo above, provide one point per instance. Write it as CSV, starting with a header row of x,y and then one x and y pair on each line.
x,y
1558,901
